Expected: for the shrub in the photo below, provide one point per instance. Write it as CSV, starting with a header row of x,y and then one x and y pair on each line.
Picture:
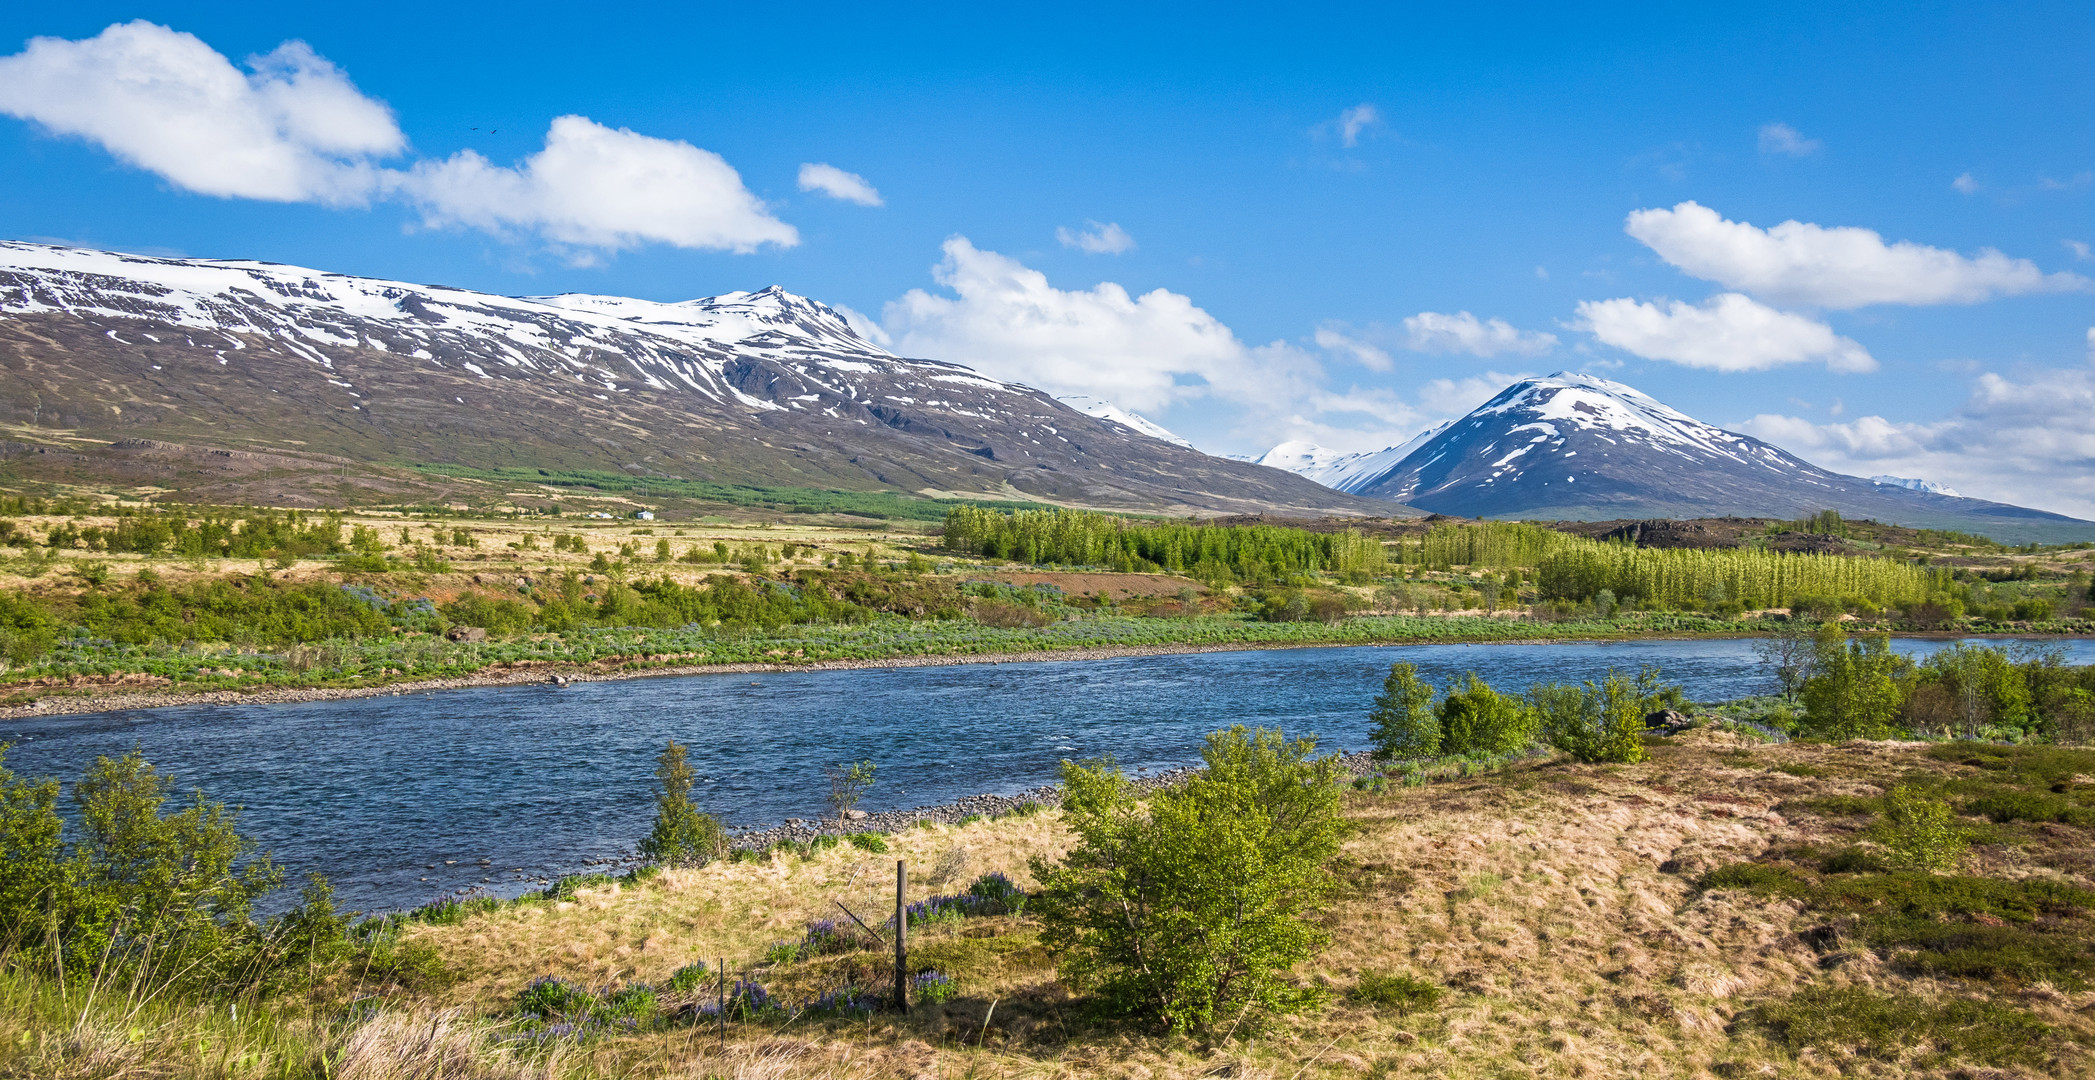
x,y
996,894
848,783
552,998
2006,806
1403,724
682,836
1919,832
1397,993
687,978
1597,721
1195,906
1852,694
140,883
1475,719
635,1001
867,841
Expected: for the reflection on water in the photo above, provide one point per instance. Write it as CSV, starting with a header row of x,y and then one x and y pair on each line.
x,y
373,791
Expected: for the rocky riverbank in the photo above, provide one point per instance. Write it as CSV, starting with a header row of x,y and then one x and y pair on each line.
x,y
118,699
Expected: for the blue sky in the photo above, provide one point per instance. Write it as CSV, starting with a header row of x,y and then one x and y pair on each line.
x,y
1298,187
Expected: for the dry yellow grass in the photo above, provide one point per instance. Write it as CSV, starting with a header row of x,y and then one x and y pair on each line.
x,y
734,911
1556,902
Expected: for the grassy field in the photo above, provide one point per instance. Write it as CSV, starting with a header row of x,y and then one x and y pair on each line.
x,y
1715,911
365,599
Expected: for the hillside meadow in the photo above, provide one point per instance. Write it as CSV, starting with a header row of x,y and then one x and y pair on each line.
x,y
1721,909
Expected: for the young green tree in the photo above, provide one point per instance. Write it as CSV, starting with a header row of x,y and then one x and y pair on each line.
x,y
1787,653
1403,723
177,887
848,783
1475,719
1191,910
682,836
1601,721
1854,693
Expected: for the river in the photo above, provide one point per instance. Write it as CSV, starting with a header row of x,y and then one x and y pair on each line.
x,y
397,799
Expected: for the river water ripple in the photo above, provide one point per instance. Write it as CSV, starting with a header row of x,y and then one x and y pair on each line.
x,y
542,781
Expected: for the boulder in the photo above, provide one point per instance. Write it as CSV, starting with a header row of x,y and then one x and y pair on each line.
x,y
466,633
1667,721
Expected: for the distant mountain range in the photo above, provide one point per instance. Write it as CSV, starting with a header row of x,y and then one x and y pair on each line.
x,y
1576,447
106,356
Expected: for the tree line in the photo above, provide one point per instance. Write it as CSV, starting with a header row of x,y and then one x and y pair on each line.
x,y
1249,553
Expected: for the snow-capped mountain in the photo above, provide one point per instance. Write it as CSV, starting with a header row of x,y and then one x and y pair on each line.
x,y
1106,410
1572,446
1909,484
750,387
1340,470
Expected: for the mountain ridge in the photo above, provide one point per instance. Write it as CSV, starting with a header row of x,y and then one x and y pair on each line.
x,y
761,387
1572,446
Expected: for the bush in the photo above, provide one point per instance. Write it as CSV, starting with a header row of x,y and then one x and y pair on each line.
x,y
682,836
1919,832
1403,724
1853,694
1475,719
867,841
552,998
995,894
1397,993
1196,906
1597,722
140,884
687,978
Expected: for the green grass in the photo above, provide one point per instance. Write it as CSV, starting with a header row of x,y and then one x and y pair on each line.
x,y
1977,928
1397,993
1907,1027
880,505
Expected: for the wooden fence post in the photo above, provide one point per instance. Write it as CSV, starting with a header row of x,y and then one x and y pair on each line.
x,y
901,937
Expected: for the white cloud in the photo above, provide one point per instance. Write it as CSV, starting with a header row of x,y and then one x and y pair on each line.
x,y
1106,239
838,184
290,129
864,325
2079,248
599,188
1356,120
1780,138
1840,267
1158,351
2023,441
1462,332
293,128
1965,184
2091,344
1142,353
1333,337
1349,126
1727,332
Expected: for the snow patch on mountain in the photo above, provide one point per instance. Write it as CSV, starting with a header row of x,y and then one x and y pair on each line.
x,y
1106,410
1347,472
1927,486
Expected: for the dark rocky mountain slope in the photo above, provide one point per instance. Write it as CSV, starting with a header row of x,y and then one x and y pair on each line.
x,y
99,348
1576,447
